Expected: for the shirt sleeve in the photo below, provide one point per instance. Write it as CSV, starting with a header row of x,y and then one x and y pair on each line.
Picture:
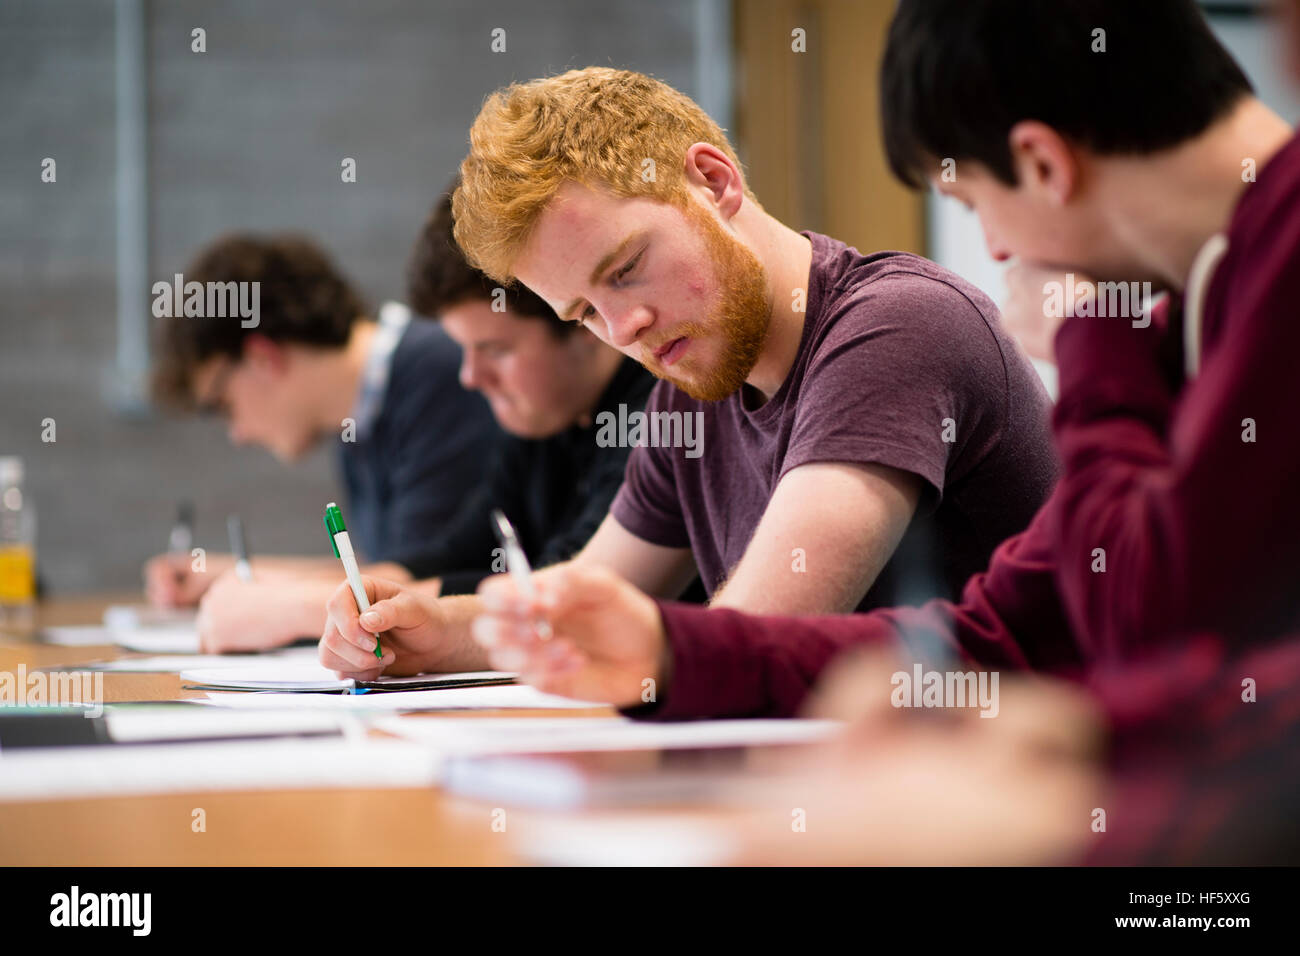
x,y
910,376
730,664
647,504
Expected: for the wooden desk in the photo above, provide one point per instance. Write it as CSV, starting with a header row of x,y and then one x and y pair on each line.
x,y
313,827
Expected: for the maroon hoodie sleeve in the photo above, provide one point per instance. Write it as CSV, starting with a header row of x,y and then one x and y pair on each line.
x,y
1192,505
729,664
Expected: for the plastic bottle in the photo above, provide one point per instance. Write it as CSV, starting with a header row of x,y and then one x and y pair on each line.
x,y
17,550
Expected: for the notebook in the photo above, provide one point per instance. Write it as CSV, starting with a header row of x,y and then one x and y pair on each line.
x,y
159,722
607,778
153,630
296,677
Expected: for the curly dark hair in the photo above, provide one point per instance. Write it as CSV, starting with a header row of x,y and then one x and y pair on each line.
x,y
303,299
438,275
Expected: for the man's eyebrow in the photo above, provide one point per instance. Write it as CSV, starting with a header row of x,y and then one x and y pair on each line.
x,y
604,263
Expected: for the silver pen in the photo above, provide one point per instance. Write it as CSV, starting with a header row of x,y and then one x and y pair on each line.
x,y
517,563
243,570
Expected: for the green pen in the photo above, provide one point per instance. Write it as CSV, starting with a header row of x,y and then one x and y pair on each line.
x,y
343,551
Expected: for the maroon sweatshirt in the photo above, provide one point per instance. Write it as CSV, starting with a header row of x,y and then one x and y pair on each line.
x,y
1188,492
1192,500
1204,764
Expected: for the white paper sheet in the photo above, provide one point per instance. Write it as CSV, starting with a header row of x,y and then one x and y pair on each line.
x,y
163,664
76,636
278,674
555,734
160,640
501,696
171,664
132,723
66,772
267,675
127,616
153,630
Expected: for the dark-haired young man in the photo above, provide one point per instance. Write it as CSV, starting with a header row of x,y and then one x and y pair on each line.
x,y
412,443
547,385
1143,158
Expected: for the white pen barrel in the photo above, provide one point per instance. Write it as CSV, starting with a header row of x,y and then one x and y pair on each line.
x,y
350,566
517,564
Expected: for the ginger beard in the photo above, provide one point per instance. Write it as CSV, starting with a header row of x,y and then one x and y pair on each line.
x,y
740,318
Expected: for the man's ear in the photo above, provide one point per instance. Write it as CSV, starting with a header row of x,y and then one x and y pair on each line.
x,y
711,173
1044,161
264,355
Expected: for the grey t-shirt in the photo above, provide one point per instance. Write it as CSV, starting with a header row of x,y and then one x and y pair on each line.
x,y
901,363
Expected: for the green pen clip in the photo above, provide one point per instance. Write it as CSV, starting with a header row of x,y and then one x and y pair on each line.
x,y
334,524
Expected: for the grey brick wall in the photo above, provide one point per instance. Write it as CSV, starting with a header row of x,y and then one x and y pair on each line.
x,y
248,135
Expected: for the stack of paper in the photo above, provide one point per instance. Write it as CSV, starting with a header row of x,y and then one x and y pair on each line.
x,y
157,723
289,764
170,664
607,763
453,735
76,636
153,630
